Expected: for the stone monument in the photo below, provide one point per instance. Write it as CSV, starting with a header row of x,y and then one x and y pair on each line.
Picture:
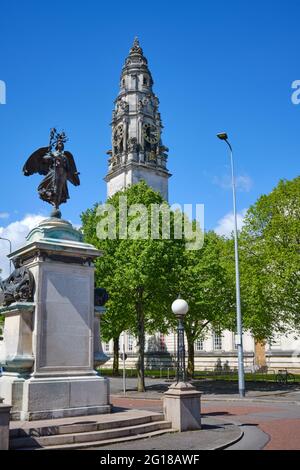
x,y
50,315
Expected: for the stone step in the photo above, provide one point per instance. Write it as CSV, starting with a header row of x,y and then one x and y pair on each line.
x,y
90,438
96,444
59,427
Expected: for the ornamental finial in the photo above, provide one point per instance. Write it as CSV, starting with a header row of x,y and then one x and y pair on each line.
x,y
136,48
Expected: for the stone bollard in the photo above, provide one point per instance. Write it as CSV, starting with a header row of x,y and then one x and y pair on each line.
x,y
4,426
182,407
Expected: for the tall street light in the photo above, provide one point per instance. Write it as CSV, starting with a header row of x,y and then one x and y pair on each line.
x,y
10,250
180,308
223,136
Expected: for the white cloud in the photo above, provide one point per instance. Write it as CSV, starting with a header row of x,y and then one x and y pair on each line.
x,y
16,232
243,182
226,224
4,215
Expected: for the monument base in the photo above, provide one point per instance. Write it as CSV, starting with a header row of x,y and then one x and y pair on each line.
x,y
4,426
11,390
182,407
57,397
51,341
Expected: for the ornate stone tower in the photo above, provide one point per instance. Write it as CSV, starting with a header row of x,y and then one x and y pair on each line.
x,y
137,151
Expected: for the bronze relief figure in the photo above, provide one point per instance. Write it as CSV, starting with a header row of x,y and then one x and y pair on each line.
x,y
58,167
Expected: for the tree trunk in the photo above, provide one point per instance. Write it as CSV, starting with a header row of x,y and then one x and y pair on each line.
x,y
116,357
260,354
191,357
140,347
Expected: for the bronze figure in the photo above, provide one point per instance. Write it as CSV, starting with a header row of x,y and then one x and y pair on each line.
x,y
18,287
100,296
58,166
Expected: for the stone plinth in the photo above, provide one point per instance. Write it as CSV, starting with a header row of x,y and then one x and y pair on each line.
x,y
16,353
182,407
49,373
4,426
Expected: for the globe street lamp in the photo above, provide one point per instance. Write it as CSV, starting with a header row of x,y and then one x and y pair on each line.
x,y
10,250
182,402
180,308
223,136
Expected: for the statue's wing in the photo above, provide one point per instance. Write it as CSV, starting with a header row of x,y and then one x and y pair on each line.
x,y
72,170
36,163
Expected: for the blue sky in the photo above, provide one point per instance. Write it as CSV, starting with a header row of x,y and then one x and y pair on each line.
x,y
216,66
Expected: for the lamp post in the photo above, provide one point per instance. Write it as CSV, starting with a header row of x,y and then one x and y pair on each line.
x,y
124,364
223,136
182,405
10,250
180,308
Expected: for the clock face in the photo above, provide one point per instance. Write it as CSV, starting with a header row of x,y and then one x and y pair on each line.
x,y
118,134
151,133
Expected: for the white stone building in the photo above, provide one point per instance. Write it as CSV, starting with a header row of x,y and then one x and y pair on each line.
x,y
138,153
213,350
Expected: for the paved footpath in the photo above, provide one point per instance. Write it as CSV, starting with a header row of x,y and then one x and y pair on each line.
x,y
269,416
268,426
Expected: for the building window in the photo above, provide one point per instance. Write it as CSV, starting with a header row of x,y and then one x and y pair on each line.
x,y
199,345
145,81
106,347
217,341
130,342
235,341
162,342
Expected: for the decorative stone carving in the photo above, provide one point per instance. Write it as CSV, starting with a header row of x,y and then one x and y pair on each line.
x,y
18,287
121,107
132,145
152,157
124,106
140,105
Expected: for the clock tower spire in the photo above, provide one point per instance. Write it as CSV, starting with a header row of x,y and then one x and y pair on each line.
x,y
137,151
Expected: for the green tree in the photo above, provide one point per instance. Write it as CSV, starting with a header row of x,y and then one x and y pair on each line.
x,y
270,261
140,274
204,283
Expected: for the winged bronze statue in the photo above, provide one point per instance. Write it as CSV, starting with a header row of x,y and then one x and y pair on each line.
x,y
58,167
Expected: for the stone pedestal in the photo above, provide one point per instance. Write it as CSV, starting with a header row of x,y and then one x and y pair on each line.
x,y
49,343
182,407
16,351
4,426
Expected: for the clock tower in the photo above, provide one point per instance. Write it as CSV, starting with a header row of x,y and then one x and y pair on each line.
x,y
137,151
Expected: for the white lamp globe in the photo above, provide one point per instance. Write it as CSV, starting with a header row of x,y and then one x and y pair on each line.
x,y
180,307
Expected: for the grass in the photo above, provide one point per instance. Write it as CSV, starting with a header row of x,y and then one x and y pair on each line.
x,y
213,375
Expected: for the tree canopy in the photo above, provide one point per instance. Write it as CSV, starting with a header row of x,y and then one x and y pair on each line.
x,y
139,274
270,261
